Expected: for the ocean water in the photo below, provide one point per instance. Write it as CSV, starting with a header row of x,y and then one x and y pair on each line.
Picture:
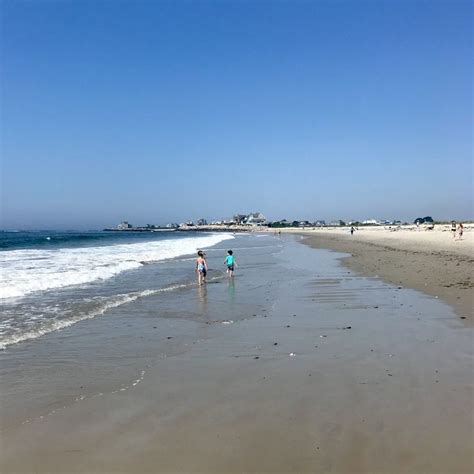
x,y
51,280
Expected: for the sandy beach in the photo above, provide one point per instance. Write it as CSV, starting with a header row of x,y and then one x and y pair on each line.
x,y
431,261
297,365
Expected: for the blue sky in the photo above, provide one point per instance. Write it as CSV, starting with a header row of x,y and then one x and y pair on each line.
x,y
156,111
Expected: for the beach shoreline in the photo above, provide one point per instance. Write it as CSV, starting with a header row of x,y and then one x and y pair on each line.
x,y
295,365
432,262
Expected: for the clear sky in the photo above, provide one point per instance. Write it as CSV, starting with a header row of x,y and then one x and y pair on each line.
x,y
152,111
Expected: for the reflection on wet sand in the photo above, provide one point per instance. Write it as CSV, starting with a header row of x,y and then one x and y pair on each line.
x,y
202,300
231,290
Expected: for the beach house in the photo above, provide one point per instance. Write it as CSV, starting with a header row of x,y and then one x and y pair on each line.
x,y
124,225
255,218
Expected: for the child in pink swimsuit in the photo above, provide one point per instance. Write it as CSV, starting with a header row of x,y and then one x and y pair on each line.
x,y
201,267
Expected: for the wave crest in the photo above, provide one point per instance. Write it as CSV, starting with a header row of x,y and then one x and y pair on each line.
x,y
26,271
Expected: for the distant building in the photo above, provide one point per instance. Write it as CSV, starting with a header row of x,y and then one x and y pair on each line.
x,y
255,218
201,222
239,218
124,225
320,223
371,222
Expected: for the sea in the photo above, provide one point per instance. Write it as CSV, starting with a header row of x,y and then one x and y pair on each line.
x,y
50,280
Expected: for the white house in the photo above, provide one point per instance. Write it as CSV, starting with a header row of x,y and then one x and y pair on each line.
x,y
256,218
124,225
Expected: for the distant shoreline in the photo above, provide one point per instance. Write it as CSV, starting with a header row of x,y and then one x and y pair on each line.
x,y
209,228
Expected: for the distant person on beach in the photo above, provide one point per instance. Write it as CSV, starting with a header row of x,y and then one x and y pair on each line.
x,y
352,230
460,230
230,262
201,267
453,228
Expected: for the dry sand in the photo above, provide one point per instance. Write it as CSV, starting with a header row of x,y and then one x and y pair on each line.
x,y
431,261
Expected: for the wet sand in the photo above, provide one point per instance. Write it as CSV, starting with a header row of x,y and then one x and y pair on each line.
x,y
432,262
324,371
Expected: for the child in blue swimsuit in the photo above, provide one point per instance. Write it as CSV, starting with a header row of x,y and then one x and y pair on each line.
x,y
230,262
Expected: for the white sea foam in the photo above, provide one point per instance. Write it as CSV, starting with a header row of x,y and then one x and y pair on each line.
x,y
26,271
103,304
